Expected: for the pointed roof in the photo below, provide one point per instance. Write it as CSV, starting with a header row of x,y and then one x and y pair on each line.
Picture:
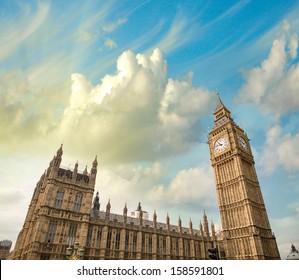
x,y
294,254
108,205
85,171
220,104
155,215
76,167
167,219
190,223
60,151
180,221
95,162
125,211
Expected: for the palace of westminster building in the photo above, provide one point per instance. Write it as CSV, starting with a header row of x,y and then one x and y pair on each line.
x,y
64,209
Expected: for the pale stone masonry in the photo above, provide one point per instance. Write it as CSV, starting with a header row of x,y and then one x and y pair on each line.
x,y
64,209
62,212
246,229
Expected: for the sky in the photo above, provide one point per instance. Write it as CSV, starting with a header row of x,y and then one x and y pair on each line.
x,y
135,82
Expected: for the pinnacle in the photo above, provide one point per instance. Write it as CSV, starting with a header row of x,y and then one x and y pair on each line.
x,y
220,104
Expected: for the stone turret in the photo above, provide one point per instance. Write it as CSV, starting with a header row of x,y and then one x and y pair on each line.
x,y
125,214
213,230
180,224
56,171
93,171
155,220
107,214
205,224
191,227
167,222
201,229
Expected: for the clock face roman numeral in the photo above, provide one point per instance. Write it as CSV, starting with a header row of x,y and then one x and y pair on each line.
x,y
220,144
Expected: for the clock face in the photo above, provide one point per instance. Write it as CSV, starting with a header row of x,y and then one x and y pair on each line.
x,y
243,143
220,144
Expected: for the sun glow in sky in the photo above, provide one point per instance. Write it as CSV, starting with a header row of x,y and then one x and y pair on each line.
x,y
134,82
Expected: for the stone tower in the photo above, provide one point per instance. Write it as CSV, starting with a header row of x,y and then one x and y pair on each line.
x,y
58,212
246,228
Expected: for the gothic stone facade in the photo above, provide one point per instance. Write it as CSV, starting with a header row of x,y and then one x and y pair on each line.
x,y
246,228
62,211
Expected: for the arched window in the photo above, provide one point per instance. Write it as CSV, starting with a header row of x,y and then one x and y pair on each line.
x,y
78,202
50,235
72,234
59,199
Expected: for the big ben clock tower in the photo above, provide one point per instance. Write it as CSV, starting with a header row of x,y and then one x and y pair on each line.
x,y
246,228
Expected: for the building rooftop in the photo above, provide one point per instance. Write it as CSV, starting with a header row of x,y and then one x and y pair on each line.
x,y
119,218
294,254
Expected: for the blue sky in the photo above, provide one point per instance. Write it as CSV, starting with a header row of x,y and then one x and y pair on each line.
x,y
134,82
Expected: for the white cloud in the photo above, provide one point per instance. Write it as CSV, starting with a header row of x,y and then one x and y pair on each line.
x,y
128,184
135,114
8,195
187,194
194,186
293,46
280,150
286,237
27,115
19,174
110,44
85,36
21,29
110,27
273,86
180,33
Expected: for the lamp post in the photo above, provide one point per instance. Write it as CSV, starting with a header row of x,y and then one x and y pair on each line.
x,y
74,253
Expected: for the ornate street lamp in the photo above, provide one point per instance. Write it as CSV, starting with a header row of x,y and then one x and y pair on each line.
x,y
74,253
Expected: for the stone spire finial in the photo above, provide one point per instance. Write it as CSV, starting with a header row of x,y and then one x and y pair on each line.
x,y
205,224
59,151
191,227
155,219
85,171
57,159
76,168
167,220
201,229
95,162
180,222
213,229
108,207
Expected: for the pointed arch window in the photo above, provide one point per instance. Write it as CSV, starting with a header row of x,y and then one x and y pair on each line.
x,y
58,199
89,236
134,241
117,239
109,238
72,234
99,237
51,232
78,202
